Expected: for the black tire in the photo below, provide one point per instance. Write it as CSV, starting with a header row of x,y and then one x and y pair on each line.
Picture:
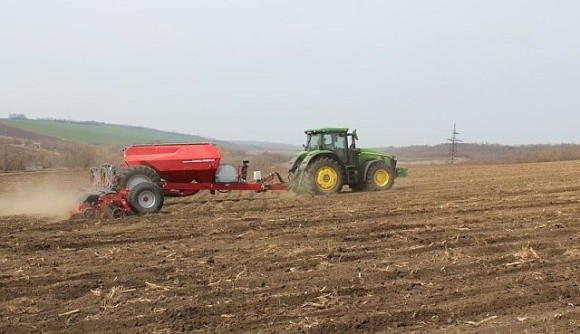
x,y
379,177
134,175
89,213
145,197
112,211
323,176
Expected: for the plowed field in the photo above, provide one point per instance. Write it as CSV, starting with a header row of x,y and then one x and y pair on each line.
x,y
487,249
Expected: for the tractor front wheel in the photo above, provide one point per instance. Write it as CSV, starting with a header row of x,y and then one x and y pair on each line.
x,y
379,177
323,176
145,197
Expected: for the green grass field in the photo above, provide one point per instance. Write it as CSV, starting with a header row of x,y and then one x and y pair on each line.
x,y
100,133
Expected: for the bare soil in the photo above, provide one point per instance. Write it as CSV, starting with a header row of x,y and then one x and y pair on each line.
x,y
474,249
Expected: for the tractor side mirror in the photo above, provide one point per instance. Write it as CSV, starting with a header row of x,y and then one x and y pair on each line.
x,y
354,135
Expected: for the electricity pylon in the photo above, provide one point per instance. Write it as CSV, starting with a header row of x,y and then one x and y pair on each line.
x,y
454,141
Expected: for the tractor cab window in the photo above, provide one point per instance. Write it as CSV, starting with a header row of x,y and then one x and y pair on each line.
x,y
340,145
328,143
340,141
313,142
334,141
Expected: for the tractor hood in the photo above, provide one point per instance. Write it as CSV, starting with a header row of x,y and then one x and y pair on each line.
x,y
369,152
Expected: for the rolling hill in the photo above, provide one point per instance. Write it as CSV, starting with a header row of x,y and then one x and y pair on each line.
x,y
33,144
114,134
94,132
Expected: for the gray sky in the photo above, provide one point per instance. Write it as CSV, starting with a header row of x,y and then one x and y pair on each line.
x,y
401,72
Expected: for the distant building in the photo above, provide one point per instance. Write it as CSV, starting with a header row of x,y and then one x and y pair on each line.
x,y
17,116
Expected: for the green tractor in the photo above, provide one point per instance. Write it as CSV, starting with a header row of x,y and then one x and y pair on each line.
x,y
330,160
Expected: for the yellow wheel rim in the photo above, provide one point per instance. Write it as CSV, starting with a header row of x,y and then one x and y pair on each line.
x,y
326,178
381,177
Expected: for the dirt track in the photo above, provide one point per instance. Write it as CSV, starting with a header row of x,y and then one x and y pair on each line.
x,y
487,249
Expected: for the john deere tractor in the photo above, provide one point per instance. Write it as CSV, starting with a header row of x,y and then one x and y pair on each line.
x,y
330,160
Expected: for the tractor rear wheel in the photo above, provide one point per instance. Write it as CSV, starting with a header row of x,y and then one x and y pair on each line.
x,y
323,176
145,197
379,177
134,175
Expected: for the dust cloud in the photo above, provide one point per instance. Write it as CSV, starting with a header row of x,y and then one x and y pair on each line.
x,y
45,199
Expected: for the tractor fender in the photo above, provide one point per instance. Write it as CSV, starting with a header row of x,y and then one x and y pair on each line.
x,y
315,154
296,161
368,165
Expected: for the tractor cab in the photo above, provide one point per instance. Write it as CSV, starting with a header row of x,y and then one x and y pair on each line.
x,y
337,140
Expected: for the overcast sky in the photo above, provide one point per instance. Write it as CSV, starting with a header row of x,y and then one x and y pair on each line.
x,y
401,72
